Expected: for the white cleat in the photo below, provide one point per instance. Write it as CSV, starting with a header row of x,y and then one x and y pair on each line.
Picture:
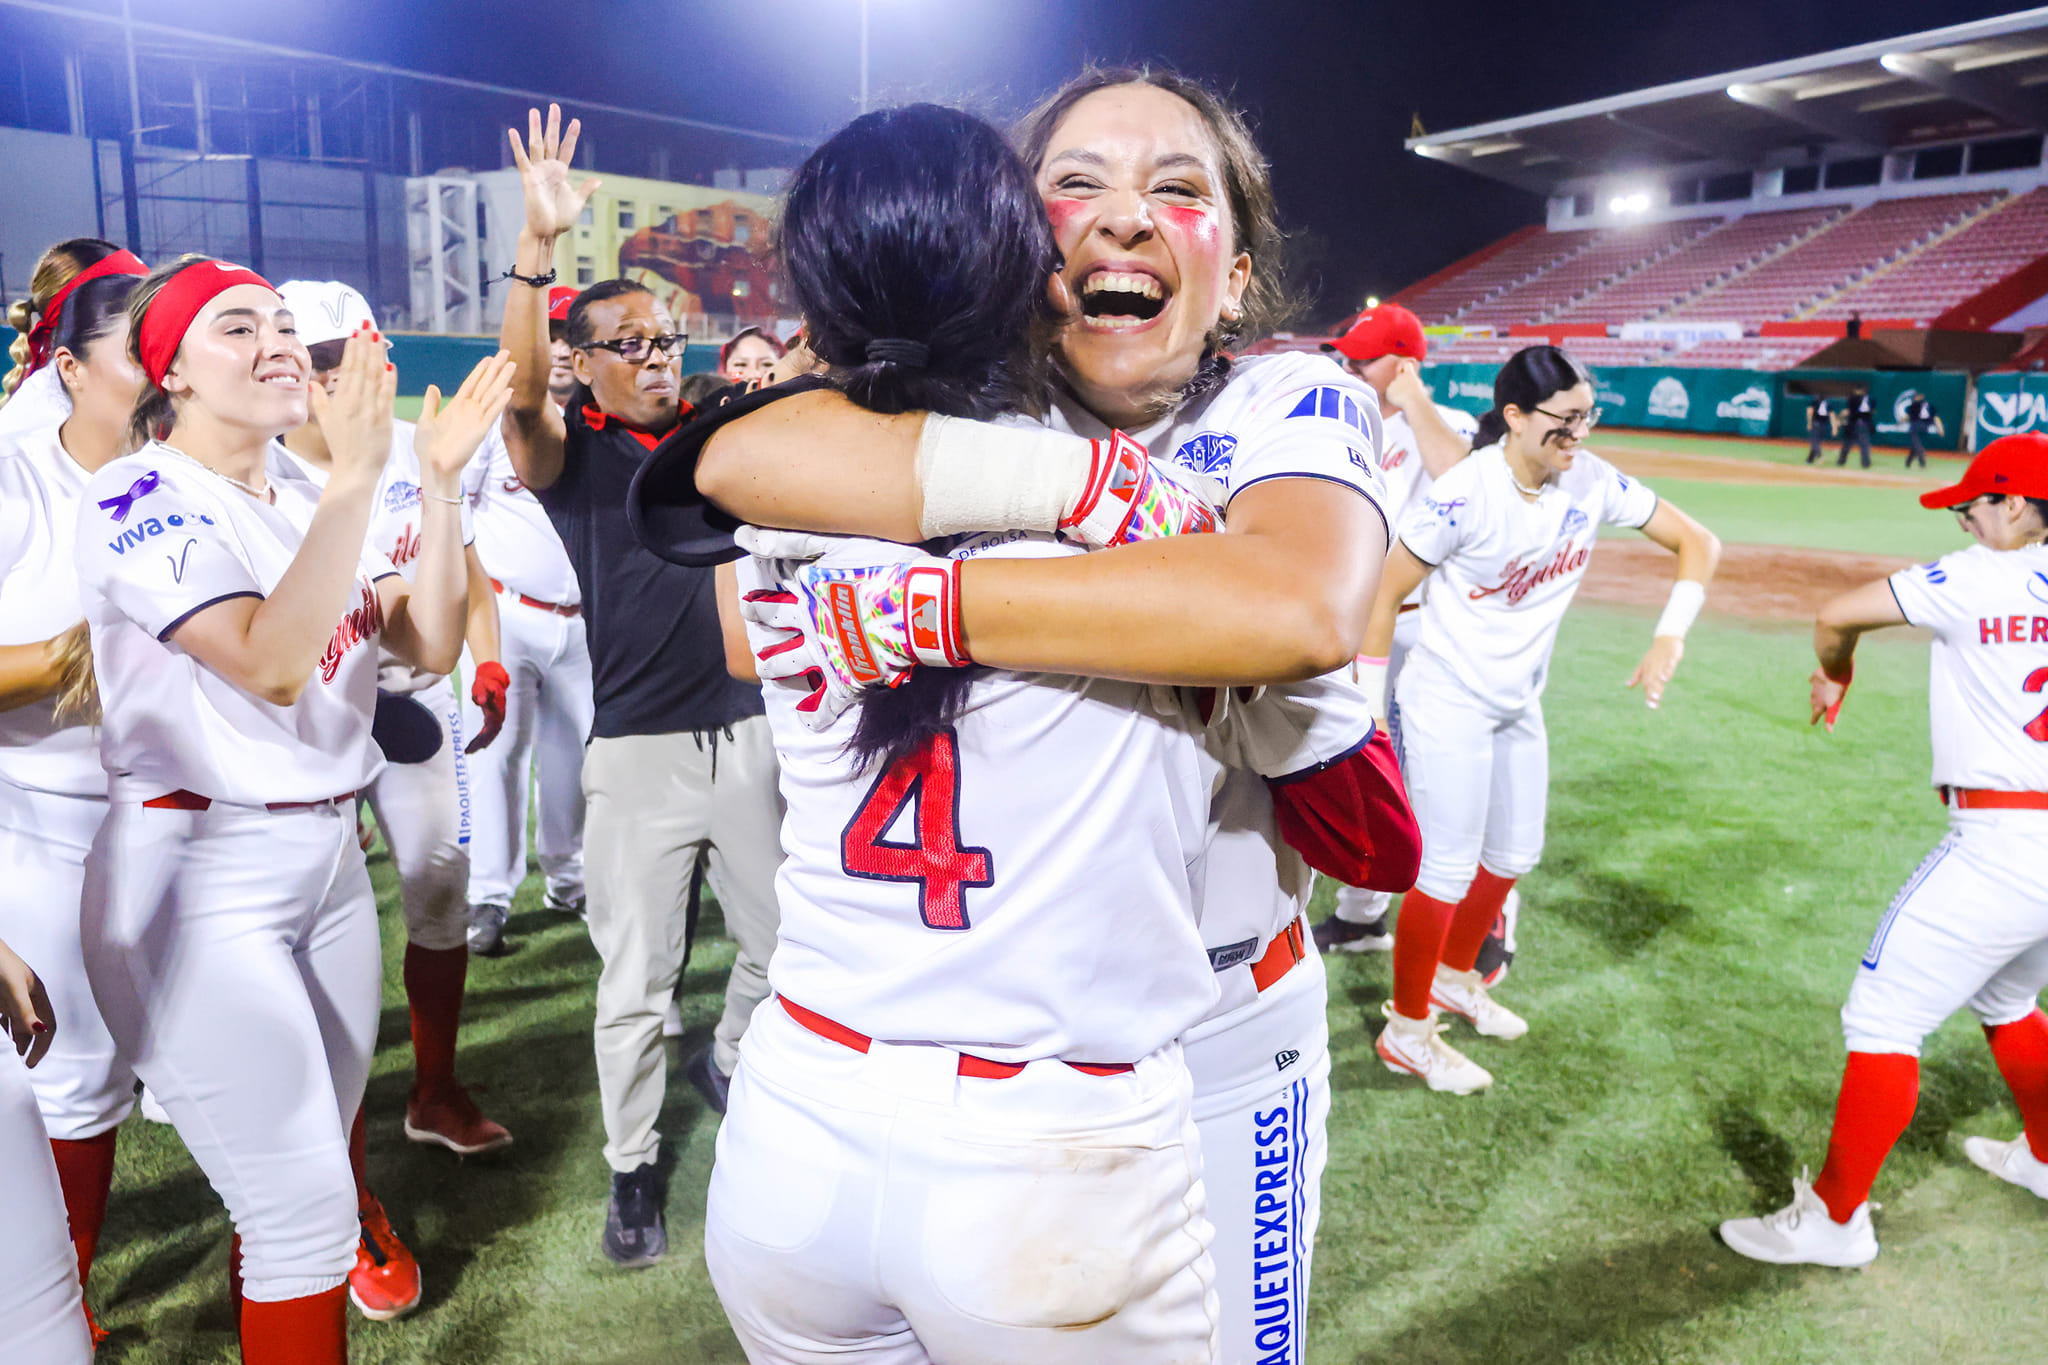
x,y
2013,1162
151,1110
1415,1046
1463,994
1803,1233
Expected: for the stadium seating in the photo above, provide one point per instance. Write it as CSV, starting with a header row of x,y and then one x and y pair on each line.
x,y
1508,268
1933,280
1734,245
1846,251
1612,253
1749,353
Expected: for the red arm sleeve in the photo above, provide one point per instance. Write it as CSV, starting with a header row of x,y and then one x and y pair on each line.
x,y
1351,820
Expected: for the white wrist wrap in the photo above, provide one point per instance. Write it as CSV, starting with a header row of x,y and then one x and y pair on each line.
x,y
1687,597
1372,680
978,476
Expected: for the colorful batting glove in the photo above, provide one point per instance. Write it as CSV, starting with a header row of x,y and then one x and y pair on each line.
x,y
487,689
1131,497
861,615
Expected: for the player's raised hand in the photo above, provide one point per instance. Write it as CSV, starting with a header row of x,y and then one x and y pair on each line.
x,y
25,1013
450,433
1656,668
1406,389
1825,695
356,417
554,200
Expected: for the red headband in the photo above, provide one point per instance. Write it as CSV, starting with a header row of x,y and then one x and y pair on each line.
x,y
43,336
170,313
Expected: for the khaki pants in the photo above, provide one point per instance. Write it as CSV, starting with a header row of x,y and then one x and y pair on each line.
x,y
657,803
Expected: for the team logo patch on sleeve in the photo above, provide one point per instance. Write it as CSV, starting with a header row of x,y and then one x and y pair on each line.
x,y
1207,453
1935,573
118,506
1336,405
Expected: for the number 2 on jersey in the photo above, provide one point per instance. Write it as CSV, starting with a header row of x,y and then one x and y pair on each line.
x,y
2037,728
927,780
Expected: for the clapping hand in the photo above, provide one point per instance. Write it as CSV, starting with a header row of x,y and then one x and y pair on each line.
x,y
448,435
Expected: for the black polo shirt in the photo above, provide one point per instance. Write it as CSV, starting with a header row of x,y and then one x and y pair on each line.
x,y
657,660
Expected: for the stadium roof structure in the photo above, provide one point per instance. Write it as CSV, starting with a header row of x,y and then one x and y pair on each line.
x,y
1966,81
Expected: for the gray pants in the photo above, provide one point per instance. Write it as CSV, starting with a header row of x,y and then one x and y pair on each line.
x,y
658,803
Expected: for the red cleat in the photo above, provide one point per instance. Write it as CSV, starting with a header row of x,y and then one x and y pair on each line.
x,y
448,1116
99,1333
386,1281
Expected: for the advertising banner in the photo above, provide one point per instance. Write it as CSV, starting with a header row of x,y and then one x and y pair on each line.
x,y
1695,329
2008,404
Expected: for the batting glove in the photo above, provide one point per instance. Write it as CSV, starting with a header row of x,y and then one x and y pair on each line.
x,y
1129,497
487,689
851,615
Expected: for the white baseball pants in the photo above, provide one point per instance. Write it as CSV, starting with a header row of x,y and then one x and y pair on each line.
x,y
80,1086
1262,1105
1355,904
1479,782
878,1207
42,1321
1968,929
234,955
658,803
548,711
424,811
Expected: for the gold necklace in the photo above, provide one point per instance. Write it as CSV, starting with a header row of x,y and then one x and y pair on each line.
x,y
266,493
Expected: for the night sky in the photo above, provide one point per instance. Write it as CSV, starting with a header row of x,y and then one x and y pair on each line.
x,y
1331,86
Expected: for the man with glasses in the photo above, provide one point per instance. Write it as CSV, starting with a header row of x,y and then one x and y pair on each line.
x,y
680,774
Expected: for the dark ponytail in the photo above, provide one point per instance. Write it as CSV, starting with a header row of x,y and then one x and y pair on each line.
x,y
918,251
94,309
1528,380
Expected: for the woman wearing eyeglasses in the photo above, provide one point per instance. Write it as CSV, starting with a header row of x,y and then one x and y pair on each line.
x,y
1505,535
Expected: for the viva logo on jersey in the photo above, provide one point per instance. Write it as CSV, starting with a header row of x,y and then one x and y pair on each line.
x,y
366,620
1519,579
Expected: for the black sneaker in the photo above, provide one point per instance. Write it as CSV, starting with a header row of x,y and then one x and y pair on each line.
x,y
635,1230
487,929
711,1083
1335,935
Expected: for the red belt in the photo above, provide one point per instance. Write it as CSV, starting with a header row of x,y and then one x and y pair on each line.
x,y
184,800
1974,798
535,602
979,1067
1282,955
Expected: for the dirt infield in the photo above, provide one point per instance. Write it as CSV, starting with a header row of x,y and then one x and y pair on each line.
x,y
1760,582
1651,465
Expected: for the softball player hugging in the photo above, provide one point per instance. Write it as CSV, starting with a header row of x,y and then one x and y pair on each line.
x,y
1970,927
1508,533
228,925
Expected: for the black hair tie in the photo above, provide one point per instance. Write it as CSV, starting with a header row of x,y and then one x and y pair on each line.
x,y
899,351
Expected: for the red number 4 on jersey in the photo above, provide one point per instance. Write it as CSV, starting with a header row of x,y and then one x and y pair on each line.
x,y
928,781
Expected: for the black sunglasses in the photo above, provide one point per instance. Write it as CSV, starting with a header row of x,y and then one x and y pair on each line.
x,y
1581,422
633,350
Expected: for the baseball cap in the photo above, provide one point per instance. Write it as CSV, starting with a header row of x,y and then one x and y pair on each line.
x,y
1388,329
326,310
559,299
2009,466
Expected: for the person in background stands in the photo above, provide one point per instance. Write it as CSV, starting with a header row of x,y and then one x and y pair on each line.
x,y
680,773
749,356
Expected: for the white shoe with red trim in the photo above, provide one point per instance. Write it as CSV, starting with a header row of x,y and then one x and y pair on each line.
x,y
1416,1047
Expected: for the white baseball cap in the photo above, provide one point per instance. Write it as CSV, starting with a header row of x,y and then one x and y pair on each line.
x,y
326,310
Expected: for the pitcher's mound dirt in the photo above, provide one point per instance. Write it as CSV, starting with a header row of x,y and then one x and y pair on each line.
x,y
1761,582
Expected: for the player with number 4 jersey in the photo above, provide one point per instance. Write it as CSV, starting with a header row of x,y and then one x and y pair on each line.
x,y
1969,929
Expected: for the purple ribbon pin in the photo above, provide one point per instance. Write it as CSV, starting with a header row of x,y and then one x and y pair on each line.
x,y
119,504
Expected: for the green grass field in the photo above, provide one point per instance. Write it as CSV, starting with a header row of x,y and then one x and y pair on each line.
x,y
1713,872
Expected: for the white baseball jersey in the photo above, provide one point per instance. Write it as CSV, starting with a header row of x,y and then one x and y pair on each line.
x,y
41,401
1401,466
394,526
1506,568
1986,702
516,542
159,538
40,490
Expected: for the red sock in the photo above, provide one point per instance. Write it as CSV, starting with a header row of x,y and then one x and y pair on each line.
x,y
1418,944
85,1168
2021,1051
235,1278
308,1331
359,1158
1879,1092
433,990
1477,914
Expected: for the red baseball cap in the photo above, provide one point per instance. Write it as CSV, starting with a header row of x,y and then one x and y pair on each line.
x,y
559,299
1388,329
2010,465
